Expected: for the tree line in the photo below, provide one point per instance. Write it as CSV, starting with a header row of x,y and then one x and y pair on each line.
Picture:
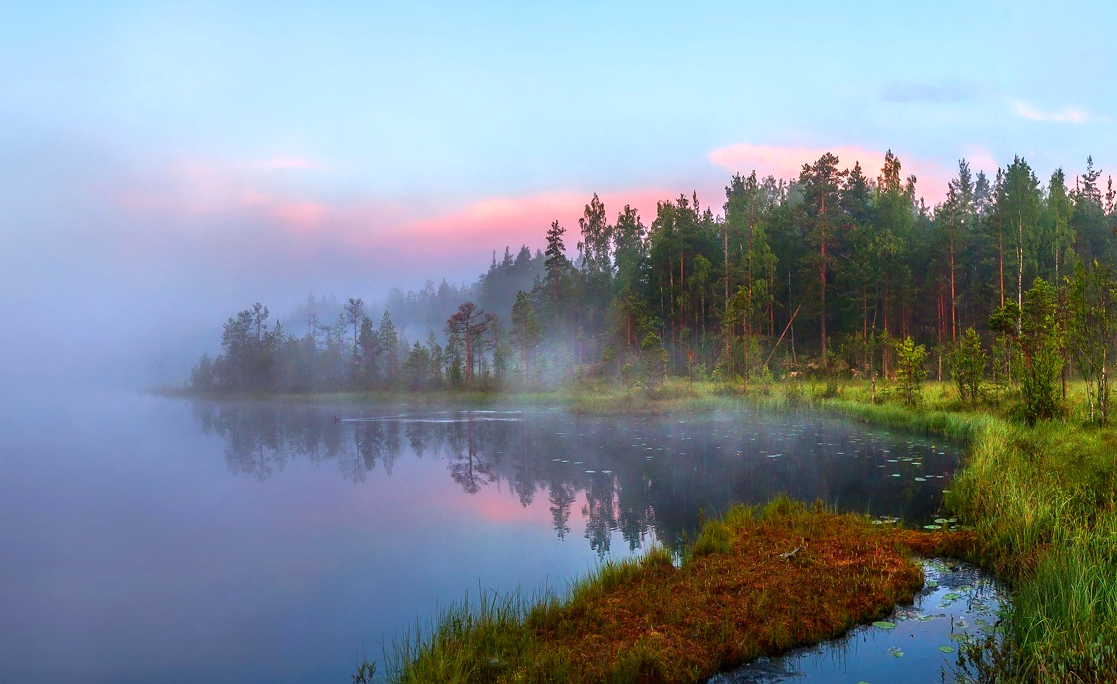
x,y
828,270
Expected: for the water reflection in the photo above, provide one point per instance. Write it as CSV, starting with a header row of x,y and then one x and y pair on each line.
x,y
634,476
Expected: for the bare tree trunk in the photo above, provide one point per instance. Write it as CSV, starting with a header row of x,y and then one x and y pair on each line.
x,y
822,302
953,309
1019,267
1001,258
728,336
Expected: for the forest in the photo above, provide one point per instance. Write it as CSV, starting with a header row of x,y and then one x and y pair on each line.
x,y
830,273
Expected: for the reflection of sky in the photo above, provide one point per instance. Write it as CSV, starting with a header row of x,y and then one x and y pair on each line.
x,y
131,554
163,165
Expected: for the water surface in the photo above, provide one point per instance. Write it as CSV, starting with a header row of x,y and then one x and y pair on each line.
x,y
159,540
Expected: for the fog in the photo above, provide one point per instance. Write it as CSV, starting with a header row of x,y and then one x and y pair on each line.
x,y
96,292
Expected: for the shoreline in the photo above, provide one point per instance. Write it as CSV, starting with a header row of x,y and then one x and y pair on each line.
x,y
1041,500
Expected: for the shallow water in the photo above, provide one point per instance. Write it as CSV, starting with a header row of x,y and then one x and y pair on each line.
x,y
917,643
158,540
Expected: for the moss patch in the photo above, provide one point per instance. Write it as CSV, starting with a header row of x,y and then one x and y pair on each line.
x,y
789,575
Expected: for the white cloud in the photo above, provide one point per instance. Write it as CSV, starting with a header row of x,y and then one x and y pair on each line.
x,y
1068,114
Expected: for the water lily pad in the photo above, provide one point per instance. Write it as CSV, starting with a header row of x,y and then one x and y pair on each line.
x,y
884,624
946,649
952,596
896,652
932,527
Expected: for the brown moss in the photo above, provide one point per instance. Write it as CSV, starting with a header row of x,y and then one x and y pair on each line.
x,y
791,577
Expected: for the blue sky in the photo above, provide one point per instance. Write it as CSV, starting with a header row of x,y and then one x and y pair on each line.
x,y
186,159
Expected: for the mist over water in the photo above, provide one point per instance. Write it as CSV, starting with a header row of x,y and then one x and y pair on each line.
x,y
162,540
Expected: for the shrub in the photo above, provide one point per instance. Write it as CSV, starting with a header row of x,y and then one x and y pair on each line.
x,y
967,366
910,372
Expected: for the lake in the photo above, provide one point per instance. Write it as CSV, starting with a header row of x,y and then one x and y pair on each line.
x,y
150,539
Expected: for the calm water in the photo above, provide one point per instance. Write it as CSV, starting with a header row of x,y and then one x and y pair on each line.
x,y
915,645
157,540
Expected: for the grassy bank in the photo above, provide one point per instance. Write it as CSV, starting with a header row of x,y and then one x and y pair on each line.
x,y
1042,501
760,581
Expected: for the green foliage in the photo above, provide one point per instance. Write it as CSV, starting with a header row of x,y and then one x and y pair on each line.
x,y
653,357
910,372
1040,361
714,538
1092,332
526,332
967,367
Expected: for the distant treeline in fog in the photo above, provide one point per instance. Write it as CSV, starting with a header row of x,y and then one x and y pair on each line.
x,y
830,267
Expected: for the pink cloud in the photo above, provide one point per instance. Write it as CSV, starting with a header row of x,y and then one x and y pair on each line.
x,y
496,222
222,213
298,216
981,159
786,162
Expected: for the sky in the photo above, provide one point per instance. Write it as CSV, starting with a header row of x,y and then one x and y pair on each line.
x,y
164,165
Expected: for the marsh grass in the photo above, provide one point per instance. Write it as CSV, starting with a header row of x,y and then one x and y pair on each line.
x,y
760,580
1042,502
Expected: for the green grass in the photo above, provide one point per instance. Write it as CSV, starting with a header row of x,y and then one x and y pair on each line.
x,y
1042,501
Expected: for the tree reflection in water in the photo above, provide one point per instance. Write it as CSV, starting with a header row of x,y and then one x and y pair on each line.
x,y
635,476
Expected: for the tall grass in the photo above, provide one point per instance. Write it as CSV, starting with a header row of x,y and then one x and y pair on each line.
x,y
466,641
1042,501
